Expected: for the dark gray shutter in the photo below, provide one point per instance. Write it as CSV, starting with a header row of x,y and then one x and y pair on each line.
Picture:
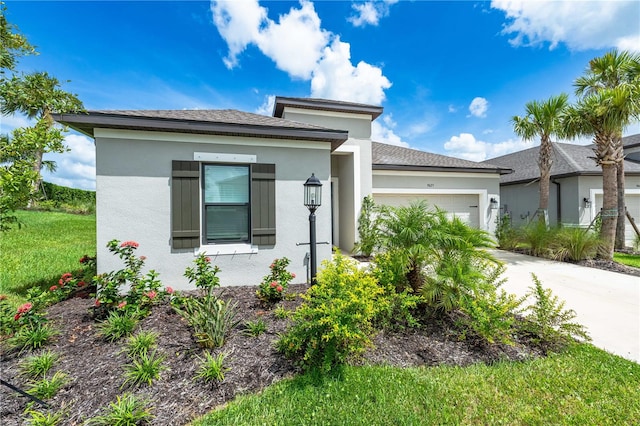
x,y
263,204
185,204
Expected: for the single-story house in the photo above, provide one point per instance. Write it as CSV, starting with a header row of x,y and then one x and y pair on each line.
x,y
230,184
575,194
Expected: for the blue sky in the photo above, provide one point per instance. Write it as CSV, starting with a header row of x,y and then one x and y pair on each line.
x,y
449,75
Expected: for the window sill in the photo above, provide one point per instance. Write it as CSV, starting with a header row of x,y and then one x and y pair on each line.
x,y
225,249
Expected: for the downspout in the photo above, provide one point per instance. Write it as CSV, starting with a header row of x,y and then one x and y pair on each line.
x,y
558,201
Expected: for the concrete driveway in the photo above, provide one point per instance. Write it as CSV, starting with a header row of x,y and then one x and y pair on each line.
x,y
606,303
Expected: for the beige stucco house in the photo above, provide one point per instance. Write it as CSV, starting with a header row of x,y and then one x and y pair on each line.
x,y
230,184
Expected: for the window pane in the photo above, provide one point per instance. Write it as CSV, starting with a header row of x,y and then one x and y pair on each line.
x,y
226,184
227,223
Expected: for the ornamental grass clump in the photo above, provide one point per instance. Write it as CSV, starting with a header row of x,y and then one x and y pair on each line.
x,y
335,322
212,368
212,318
127,410
38,365
273,286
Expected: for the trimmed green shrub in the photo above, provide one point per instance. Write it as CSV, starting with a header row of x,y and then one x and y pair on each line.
x,y
335,321
574,244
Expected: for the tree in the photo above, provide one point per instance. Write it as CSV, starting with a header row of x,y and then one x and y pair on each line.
x,y
12,43
611,70
542,119
602,114
38,95
16,167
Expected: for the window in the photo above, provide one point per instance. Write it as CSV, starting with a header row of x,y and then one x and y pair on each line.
x,y
238,204
226,203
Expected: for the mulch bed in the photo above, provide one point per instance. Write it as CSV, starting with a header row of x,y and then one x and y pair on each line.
x,y
95,367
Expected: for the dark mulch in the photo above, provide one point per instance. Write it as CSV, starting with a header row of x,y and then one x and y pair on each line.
x,y
95,367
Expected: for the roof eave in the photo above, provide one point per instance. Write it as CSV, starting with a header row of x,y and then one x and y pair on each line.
x,y
402,167
566,175
324,105
86,123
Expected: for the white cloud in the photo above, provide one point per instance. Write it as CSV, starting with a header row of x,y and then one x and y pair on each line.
x,y
478,107
77,167
581,25
468,147
299,46
10,122
383,132
335,77
267,106
452,109
370,12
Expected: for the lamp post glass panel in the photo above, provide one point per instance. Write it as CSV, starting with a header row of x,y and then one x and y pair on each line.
x,y
312,200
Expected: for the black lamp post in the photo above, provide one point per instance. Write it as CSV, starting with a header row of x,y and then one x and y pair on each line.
x,y
312,199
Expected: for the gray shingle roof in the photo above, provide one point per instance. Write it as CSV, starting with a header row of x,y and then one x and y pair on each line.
x,y
217,122
226,116
568,160
386,156
630,141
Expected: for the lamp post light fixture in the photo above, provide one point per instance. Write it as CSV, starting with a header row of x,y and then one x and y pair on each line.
x,y
312,200
493,203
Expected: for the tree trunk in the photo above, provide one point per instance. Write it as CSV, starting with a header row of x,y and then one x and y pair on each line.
x,y
37,167
620,242
609,209
545,160
414,277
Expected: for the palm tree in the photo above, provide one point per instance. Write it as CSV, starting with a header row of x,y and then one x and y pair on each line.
x,y
611,70
37,95
542,119
602,114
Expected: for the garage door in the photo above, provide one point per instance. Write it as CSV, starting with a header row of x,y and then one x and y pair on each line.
x,y
633,206
464,206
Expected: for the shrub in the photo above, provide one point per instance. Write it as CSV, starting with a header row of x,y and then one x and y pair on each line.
x,y
126,411
143,291
32,337
490,314
144,368
255,328
117,325
574,244
212,368
273,286
47,388
38,365
367,227
536,236
551,325
506,235
211,318
281,312
334,322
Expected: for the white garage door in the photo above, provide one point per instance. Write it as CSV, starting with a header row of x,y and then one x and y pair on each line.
x,y
464,206
633,206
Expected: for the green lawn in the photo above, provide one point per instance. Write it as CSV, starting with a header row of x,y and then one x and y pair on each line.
x,y
47,245
627,259
583,386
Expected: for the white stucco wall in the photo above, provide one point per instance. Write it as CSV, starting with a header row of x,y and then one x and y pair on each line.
x,y
133,183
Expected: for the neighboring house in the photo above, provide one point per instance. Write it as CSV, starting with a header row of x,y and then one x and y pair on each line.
x,y
575,195
230,184
631,145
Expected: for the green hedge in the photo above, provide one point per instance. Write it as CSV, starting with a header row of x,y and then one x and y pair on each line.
x,y
64,195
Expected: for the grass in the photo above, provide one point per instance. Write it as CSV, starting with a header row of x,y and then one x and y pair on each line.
x,y
582,386
46,246
627,259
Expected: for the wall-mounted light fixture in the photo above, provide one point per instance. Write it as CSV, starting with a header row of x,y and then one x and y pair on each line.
x,y
587,202
493,203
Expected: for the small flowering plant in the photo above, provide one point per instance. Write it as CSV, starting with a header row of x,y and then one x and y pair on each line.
x,y
274,285
142,291
203,275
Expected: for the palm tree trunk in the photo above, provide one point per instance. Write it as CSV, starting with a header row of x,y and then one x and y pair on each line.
x,y
620,242
37,167
545,160
609,209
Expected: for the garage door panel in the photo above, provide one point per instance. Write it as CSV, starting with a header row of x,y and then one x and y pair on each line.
x,y
463,206
633,207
